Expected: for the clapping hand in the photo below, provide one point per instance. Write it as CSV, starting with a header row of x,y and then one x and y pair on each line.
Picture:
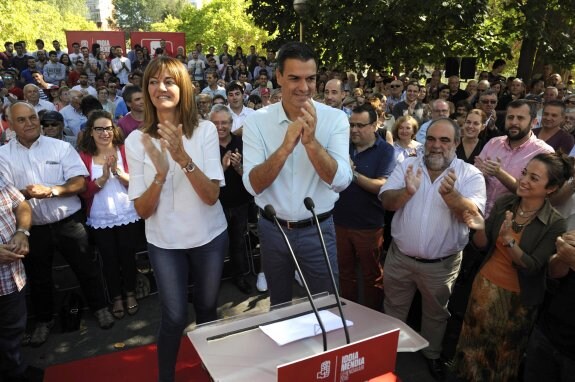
x,y
171,139
474,220
159,157
506,230
488,166
309,121
448,182
412,180
236,160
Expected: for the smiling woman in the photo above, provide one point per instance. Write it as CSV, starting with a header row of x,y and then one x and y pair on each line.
x,y
110,214
519,237
176,176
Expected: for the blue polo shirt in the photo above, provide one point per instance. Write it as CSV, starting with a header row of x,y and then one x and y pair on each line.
x,y
357,208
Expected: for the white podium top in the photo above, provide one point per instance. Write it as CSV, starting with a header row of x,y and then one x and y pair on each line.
x,y
235,349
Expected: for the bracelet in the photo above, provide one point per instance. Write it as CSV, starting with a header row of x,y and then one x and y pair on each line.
x,y
158,182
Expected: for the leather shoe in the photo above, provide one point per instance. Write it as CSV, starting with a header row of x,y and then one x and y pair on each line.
x,y
243,285
436,368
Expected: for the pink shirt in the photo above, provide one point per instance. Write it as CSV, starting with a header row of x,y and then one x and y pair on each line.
x,y
128,124
513,161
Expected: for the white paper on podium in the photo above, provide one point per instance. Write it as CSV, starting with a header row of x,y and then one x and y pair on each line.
x,y
287,331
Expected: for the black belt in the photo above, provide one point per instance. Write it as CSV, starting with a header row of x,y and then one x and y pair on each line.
x,y
291,224
430,261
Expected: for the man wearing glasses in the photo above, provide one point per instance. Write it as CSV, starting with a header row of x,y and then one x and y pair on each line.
x,y
358,214
50,174
53,126
396,91
488,102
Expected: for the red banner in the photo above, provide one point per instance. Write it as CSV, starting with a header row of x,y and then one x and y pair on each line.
x,y
174,41
106,39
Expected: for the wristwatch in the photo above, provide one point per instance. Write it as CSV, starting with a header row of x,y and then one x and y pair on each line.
x,y
54,193
24,231
510,243
190,167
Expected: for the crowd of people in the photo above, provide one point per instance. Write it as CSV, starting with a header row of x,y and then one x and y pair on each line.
x,y
414,179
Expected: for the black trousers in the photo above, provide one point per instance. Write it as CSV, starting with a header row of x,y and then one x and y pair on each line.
x,y
69,236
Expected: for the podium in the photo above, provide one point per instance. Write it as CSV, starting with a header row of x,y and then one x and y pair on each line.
x,y
235,349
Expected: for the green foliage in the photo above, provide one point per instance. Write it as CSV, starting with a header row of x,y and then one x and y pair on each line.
x,y
140,15
376,33
220,21
76,7
28,20
386,33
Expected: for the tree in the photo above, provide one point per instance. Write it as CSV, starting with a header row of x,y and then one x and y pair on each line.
x,y
139,15
28,20
376,33
220,21
387,33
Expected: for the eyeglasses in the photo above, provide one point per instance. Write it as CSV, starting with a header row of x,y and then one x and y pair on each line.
x,y
101,130
358,125
48,124
394,86
489,102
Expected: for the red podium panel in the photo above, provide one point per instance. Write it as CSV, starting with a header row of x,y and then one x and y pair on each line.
x,y
358,361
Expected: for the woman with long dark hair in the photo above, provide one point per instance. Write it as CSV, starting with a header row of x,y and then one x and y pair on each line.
x,y
519,236
111,215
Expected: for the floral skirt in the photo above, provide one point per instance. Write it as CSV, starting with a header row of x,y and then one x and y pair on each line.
x,y
494,336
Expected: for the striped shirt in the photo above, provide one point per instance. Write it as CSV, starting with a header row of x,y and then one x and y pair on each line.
x,y
12,276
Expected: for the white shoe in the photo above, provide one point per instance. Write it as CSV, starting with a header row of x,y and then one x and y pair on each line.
x,y
261,284
297,278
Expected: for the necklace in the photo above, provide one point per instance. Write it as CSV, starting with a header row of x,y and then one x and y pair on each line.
x,y
522,213
516,227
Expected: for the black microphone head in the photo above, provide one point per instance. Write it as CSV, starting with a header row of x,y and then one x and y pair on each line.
x,y
309,204
270,211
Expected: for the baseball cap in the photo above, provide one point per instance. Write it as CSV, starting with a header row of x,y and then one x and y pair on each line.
x,y
52,116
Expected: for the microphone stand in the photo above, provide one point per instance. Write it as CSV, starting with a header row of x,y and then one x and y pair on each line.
x,y
270,212
310,205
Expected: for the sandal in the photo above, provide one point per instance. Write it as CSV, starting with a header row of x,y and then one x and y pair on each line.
x,y
118,308
132,304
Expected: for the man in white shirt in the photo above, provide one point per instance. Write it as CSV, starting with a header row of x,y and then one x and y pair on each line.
x,y
429,195
295,149
121,66
50,175
73,117
235,92
32,96
83,86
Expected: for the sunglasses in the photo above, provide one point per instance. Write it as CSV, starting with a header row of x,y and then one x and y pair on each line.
x,y
53,124
378,82
489,102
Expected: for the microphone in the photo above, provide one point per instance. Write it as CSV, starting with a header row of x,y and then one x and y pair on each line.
x,y
270,212
310,205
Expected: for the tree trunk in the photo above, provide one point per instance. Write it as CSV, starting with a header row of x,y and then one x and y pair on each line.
x,y
535,14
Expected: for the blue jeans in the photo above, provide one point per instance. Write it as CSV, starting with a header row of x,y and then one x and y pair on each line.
x,y
172,267
278,264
